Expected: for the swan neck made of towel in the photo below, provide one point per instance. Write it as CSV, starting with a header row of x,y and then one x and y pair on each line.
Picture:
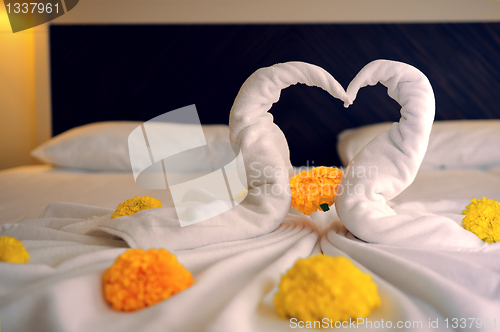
x,y
389,163
263,145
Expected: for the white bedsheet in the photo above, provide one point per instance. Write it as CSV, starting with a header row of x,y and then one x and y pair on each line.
x,y
26,191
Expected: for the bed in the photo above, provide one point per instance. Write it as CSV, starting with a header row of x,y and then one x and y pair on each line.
x,y
54,208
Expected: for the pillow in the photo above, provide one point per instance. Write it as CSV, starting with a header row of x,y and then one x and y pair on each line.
x,y
461,144
103,146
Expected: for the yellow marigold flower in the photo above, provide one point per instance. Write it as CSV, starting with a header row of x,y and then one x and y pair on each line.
x,y
326,287
315,189
136,204
482,217
141,278
12,250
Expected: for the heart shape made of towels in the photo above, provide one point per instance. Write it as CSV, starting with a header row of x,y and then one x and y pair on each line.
x,y
393,156
396,154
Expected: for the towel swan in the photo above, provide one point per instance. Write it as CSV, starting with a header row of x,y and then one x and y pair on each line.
x,y
263,145
396,155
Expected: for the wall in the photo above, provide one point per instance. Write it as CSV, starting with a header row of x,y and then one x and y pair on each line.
x,y
17,95
24,68
272,11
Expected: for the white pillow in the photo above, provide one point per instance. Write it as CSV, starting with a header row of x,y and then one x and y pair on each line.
x,y
461,144
103,146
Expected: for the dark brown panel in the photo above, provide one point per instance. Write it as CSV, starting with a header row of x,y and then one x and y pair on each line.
x,y
110,72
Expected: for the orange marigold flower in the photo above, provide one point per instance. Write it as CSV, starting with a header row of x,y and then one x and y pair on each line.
x,y
141,278
315,189
136,204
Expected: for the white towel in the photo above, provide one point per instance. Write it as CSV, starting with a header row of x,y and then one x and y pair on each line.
x,y
388,164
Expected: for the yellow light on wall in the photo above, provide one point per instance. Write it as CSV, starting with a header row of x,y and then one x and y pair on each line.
x,y
4,20
17,93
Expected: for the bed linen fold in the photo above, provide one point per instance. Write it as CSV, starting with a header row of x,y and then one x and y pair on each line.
x,y
451,283
68,296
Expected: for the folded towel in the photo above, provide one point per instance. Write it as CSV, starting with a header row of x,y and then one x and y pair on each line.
x,y
388,164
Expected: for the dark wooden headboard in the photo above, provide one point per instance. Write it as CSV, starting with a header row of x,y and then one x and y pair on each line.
x,y
136,72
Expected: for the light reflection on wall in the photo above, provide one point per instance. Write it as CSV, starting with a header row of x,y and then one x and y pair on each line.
x,y
17,95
